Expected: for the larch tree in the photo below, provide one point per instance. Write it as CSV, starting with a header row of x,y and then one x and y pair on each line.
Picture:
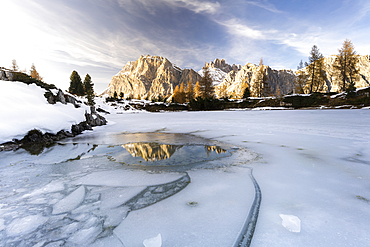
x,y
34,73
197,90
315,71
14,65
206,85
182,95
346,64
189,91
76,86
176,94
260,86
222,93
89,89
300,79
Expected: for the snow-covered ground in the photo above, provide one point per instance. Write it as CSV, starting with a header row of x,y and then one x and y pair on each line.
x,y
312,166
23,107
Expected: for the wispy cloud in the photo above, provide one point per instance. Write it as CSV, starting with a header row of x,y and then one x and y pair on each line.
x,y
265,5
236,27
193,5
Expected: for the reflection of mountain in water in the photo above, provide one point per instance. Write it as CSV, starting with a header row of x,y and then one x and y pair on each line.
x,y
216,149
151,150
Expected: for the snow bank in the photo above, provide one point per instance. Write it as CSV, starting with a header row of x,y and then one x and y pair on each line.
x,y
24,108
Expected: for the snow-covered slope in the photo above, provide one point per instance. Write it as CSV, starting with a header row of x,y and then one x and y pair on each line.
x,y
217,75
23,107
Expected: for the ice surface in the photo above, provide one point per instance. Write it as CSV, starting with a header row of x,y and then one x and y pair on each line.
x,y
70,202
127,178
153,242
25,225
291,222
310,163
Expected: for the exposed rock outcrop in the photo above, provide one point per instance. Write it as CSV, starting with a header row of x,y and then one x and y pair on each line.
x,y
35,141
280,81
222,65
150,76
333,82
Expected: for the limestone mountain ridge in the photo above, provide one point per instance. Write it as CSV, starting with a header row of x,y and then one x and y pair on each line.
x,y
154,76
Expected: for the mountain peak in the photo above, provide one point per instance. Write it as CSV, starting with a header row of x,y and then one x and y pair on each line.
x,y
222,65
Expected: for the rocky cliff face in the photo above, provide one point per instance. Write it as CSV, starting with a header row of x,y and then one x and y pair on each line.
x,y
150,76
333,83
222,65
280,81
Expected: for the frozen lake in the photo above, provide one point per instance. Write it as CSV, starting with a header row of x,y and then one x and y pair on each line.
x,y
183,179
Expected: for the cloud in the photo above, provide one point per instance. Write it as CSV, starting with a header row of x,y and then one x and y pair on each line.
x,y
236,27
265,5
197,6
152,5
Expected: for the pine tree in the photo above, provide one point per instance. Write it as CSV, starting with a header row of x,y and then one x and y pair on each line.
x,y
316,76
246,91
14,66
115,95
75,86
34,73
346,64
206,85
89,90
190,91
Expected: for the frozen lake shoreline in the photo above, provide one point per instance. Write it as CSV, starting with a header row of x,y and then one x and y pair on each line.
x,y
313,165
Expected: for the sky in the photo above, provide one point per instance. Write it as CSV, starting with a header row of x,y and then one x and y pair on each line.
x,y
99,37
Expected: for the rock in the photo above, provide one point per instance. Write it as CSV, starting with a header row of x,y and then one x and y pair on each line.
x,y
280,81
222,65
60,97
150,76
332,82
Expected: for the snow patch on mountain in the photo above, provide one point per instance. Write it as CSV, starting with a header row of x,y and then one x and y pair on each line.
x,y
217,75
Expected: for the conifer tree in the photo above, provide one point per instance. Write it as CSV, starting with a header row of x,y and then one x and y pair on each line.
x,y
75,86
346,64
176,94
316,76
222,93
182,96
246,91
260,86
206,85
190,91
300,79
115,95
34,73
197,90
89,90
14,66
